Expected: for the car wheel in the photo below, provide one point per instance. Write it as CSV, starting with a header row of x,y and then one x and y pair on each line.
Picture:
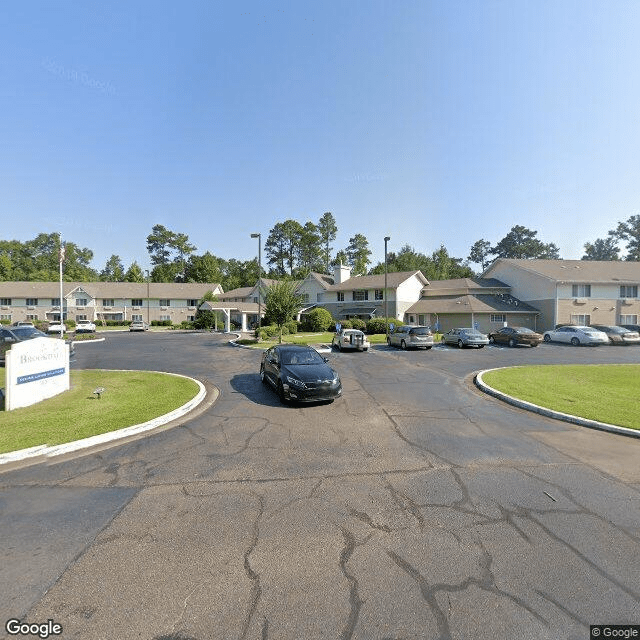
x,y
460,344
339,347
403,345
281,393
575,342
512,342
263,377
427,348
547,337
388,342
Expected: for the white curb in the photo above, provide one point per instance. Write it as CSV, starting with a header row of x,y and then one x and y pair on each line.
x,y
550,413
56,450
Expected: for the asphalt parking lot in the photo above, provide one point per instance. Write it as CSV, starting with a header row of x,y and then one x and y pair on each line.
x,y
412,507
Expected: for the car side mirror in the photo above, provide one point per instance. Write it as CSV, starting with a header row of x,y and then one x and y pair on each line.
x,y
325,358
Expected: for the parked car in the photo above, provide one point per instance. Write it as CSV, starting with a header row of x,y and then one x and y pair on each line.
x,y
408,336
618,335
138,325
84,326
300,373
11,335
576,335
631,327
465,337
55,327
350,339
23,323
513,336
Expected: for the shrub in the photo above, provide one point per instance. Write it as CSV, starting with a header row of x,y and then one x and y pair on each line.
x,y
378,325
186,324
5,321
70,324
356,323
319,320
346,324
161,323
292,326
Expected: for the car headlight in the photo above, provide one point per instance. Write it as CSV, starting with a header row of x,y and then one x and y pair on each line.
x,y
294,382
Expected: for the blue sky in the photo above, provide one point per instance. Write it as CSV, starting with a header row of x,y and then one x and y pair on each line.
x,y
431,122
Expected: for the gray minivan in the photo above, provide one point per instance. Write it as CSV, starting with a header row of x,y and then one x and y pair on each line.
x,y
408,336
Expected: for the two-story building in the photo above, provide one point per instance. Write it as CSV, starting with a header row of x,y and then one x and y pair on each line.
x,y
573,291
101,301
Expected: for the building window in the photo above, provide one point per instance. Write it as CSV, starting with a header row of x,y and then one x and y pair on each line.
x,y
255,299
379,294
318,297
191,318
628,291
580,318
32,302
581,291
498,317
136,302
108,302
165,302
5,316
340,296
55,302
629,319
6,302
81,302
305,297
360,296
32,316
136,317
81,317
165,317
192,303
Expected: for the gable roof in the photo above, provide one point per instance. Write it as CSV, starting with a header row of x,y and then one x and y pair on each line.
x,y
240,292
474,285
576,270
394,280
468,303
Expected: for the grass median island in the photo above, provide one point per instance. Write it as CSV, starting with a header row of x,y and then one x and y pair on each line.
x,y
306,338
606,393
130,397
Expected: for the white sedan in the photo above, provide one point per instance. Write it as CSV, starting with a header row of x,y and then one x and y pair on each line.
x,y
576,335
55,327
350,339
84,326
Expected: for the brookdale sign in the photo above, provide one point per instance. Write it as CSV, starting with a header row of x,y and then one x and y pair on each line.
x,y
35,370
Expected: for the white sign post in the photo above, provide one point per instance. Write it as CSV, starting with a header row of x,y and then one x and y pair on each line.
x,y
35,370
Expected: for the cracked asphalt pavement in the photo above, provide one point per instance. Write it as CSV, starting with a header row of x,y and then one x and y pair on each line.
x,y
412,507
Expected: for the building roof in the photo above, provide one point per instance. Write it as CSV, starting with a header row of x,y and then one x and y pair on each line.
x,y
241,292
247,307
468,303
186,290
325,280
459,285
577,270
394,280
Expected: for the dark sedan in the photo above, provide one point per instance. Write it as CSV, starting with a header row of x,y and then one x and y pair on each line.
x,y
300,373
11,335
513,336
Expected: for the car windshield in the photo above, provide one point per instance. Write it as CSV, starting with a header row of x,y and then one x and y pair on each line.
x,y
301,356
27,332
472,332
589,330
523,330
420,331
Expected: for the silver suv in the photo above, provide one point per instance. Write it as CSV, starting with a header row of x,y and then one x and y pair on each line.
x,y
408,336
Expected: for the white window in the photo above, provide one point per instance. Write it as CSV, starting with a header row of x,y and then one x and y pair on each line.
x,y
32,316
580,318
498,317
81,302
165,317
340,296
379,294
629,319
136,317
108,302
5,316
305,297
191,318
165,302
359,296
628,291
32,302
192,303
81,317
6,302
136,302
581,291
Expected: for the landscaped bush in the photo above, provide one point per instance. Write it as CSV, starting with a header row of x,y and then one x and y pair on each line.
x,y
346,324
319,320
292,326
117,323
356,323
378,325
161,323
268,331
5,321
70,324
186,324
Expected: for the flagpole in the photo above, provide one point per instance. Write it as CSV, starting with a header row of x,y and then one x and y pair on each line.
x,y
61,258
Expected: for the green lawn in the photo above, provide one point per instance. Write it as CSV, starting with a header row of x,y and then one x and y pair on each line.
x,y
308,338
606,393
131,397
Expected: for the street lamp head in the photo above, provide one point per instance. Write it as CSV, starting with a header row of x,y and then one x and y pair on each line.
x,y
255,235
387,238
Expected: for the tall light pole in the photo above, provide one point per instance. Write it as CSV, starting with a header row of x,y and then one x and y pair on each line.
x,y
386,315
148,319
61,256
257,235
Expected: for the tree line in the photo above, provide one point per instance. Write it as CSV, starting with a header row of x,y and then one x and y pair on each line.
x,y
292,250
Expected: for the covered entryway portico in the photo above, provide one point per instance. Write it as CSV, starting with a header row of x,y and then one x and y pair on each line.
x,y
229,309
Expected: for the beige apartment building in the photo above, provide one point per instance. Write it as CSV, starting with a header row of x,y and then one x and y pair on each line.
x,y
98,301
573,291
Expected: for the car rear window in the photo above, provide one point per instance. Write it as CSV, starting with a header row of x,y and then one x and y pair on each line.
x,y
419,331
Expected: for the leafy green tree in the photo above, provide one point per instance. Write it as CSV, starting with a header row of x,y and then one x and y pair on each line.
x,y
169,272
480,253
113,270
168,247
134,273
160,244
319,320
358,253
282,246
521,242
236,273
327,230
629,232
281,303
601,249
204,268
309,251
341,258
